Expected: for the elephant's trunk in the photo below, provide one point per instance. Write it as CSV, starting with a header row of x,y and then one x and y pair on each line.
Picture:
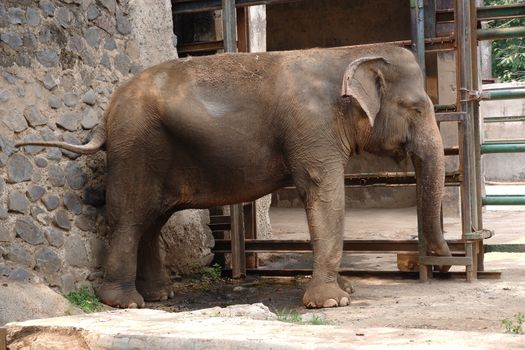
x,y
429,162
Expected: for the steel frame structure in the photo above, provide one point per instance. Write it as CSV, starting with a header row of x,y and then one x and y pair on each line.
x,y
469,251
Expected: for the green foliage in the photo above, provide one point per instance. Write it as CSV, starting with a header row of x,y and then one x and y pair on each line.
x,y
514,328
85,300
291,316
508,56
212,272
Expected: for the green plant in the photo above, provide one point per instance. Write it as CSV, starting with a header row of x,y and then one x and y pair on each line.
x,y
291,316
514,328
86,300
508,56
212,272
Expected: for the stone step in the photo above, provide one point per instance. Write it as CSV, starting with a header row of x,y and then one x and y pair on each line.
x,y
238,327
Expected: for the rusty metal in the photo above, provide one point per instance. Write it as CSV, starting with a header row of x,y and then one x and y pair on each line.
x,y
238,256
223,246
3,338
200,47
366,273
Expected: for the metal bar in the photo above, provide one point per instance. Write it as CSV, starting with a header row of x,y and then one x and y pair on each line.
x,y
505,119
503,200
376,274
229,25
503,94
445,108
487,13
250,227
505,248
501,33
238,256
417,15
445,260
502,148
199,47
212,5
303,246
450,117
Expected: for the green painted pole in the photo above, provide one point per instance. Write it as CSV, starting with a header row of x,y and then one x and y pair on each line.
x,y
501,12
503,147
504,200
501,33
503,94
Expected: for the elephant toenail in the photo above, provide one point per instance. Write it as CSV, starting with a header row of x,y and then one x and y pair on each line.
x,y
132,306
330,303
172,295
310,305
143,304
344,301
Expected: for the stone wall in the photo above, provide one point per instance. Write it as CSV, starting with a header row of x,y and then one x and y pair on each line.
x,y
60,62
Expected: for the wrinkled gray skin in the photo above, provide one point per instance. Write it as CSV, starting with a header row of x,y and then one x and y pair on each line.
x,y
210,131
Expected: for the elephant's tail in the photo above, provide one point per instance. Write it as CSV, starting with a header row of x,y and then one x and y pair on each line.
x,y
96,142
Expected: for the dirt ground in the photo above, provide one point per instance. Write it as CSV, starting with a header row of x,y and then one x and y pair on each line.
x,y
439,304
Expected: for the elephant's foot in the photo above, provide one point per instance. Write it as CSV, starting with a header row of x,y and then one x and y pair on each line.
x,y
319,295
345,284
121,295
155,290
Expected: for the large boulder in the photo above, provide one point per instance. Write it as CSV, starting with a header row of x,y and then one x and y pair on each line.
x,y
186,241
27,301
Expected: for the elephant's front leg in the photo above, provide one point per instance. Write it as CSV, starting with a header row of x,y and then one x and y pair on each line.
x,y
323,195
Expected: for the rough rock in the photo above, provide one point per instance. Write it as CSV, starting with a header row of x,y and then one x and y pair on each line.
x,y
56,175
15,121
34,193
34,117
23,301
48,7
64,17
40,162
33,17
19,168
89,97
54,102
90,119
39,215
47,57
75,251
16,15
17,202
12,39
92,12
32,150
3,214
92,37
54,237
70,99
49,82
61,219
17,253
122,63
47,260
73,203
51,201
69,121
28,231
75,176
6,233
20,274
186,241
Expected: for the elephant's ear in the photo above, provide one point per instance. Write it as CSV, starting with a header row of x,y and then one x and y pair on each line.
x,y
363,81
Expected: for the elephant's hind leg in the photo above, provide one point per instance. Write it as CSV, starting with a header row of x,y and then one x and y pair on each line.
x,y
153,281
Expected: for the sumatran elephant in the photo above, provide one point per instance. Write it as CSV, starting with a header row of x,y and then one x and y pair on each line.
x,y
209,131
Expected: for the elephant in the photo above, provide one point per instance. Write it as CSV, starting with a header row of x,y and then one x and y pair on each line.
x,y
214,130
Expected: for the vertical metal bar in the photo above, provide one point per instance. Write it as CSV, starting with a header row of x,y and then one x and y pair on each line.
x,y
250,228
229,25
417,13
237,241
465,16
243,36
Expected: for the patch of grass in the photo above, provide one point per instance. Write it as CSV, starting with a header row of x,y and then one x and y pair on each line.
x,y
84,299
514,326
212,272
291,316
